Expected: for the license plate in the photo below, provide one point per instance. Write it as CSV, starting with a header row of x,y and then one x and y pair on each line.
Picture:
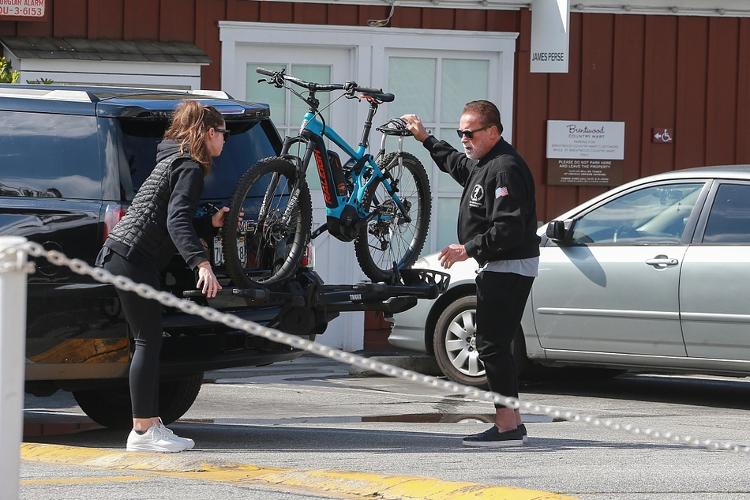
x,y
219,250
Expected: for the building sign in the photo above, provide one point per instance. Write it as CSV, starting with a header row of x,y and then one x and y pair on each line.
x,y
583,153
22,10
550,20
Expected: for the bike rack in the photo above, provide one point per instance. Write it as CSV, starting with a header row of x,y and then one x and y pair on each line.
x,y
391,298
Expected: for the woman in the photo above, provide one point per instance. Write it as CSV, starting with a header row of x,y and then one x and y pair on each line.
x,y
159,220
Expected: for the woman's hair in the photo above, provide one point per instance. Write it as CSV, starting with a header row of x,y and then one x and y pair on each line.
x,y
190,125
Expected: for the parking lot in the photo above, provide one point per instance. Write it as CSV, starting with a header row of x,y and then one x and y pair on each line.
x,y
300,429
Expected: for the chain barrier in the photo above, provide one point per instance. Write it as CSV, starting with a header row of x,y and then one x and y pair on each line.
x,y
165,298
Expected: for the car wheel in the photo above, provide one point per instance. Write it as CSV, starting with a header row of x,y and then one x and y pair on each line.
x,y
454,343
110,406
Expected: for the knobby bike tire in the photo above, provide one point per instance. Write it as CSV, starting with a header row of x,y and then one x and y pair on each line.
x,y
418,196
290,244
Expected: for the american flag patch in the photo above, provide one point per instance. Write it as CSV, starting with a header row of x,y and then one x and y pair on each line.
x,y
501,191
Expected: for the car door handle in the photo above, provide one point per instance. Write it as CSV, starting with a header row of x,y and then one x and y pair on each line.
x,y
662,261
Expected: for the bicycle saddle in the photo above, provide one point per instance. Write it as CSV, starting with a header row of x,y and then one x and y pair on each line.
x,y
380,96
395,126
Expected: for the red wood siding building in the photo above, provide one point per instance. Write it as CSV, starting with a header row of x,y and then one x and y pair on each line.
x,y
690,74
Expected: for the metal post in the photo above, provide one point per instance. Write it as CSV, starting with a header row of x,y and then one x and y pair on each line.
x,y
12,360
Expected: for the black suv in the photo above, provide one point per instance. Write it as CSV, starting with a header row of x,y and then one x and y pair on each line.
x,y
72,159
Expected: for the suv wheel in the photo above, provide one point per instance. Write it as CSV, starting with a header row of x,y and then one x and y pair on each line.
x,y
454,344
110,406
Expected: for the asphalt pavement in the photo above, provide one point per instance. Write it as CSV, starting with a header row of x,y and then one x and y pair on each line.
x,y
309,428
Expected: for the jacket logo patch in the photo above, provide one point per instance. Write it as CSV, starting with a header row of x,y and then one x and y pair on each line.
x,y
477,196
501,191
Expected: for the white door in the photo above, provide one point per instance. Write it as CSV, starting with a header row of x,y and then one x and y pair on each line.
x,y
334,260
432,72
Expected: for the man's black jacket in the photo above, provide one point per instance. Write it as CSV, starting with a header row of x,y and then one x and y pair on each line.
x,y
497,215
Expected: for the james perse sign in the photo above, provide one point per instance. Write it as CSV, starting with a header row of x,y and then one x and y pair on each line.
x,y
550,20
585,153
22,9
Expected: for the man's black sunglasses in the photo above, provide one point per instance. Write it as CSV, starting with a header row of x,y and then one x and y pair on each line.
x,y
469,134
223,131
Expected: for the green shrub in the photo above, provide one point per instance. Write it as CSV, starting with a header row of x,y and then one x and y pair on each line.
x,y
7,75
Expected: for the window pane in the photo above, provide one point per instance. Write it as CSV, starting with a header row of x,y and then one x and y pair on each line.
x,y
729,221
49,156
463,80
447,217
263,92
412,80
654,215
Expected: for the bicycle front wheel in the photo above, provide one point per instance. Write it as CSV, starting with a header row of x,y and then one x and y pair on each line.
x,y
268,224
392,236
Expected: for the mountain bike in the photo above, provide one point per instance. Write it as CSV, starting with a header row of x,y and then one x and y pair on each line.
x,y
380,203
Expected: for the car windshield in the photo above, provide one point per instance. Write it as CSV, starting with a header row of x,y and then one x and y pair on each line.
x,y
247,143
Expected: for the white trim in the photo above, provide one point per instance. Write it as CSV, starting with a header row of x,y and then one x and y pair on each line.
x,y
718,8
245,32
123,73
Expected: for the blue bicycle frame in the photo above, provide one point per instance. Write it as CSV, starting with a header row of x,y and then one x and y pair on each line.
x,y
342,210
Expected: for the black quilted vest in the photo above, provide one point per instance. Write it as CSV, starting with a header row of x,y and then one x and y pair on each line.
x,y
142,232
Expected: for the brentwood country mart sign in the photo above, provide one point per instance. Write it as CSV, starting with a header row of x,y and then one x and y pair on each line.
x,y
22,9
585,153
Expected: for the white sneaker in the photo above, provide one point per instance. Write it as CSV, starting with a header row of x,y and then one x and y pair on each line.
x,y
156,438
189,443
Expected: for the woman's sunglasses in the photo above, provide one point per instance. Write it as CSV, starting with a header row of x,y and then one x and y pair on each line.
x,y
469,134
223,131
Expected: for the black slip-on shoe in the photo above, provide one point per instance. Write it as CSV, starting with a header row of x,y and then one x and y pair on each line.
x,y
493,438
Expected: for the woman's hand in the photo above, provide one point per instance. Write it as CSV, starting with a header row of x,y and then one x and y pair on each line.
x,y
217,219
207,281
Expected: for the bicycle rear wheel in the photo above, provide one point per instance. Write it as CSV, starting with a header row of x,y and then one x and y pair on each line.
x,y
264,237
389,237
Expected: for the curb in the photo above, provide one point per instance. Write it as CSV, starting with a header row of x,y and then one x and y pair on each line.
x,y
420,363
357,484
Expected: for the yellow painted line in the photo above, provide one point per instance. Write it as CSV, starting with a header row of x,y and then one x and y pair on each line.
x,y
67,481
358,484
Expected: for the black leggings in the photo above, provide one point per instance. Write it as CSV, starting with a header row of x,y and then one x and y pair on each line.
x,y
144,319
501,298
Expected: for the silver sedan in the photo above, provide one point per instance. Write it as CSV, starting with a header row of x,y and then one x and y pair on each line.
x,y
653,275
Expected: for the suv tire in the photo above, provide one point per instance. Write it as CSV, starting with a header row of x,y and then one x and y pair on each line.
x,y
111,408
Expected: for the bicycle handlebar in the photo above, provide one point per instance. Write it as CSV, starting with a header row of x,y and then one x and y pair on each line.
x,y
278,78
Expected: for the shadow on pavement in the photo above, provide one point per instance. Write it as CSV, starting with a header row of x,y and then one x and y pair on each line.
x,y
244,438
724,393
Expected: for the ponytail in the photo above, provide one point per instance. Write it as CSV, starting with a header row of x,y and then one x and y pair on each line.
x,y
190,124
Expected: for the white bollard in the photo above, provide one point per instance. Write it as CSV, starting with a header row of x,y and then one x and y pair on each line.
x,y
12,361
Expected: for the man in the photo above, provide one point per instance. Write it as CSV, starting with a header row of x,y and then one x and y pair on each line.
x,y
497,227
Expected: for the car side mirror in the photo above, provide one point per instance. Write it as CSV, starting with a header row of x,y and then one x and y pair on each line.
x,y
560,231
